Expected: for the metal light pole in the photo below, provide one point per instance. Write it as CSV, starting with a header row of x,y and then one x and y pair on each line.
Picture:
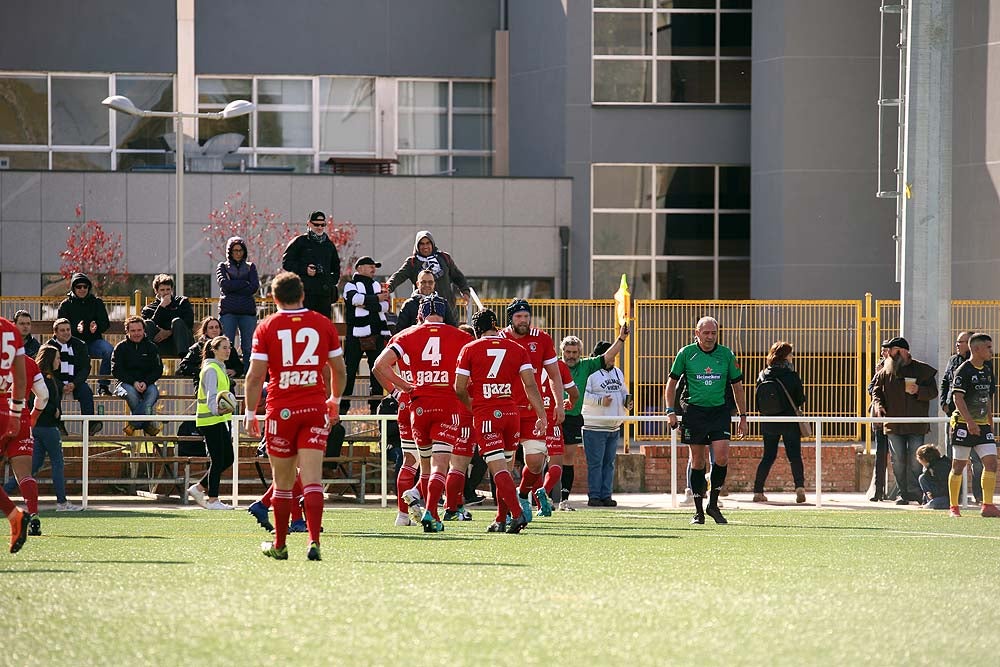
x,y
233,109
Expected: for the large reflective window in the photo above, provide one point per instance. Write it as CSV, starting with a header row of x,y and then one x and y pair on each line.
x,y
78,117
445,127
685,187
147,92
622,34
685,34
472,116
623,81
24,110
214,95
621,234
347,114
284,113
621,186
423,115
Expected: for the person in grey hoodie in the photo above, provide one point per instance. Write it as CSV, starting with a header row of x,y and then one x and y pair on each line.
x,y
605,404
427,257
238,285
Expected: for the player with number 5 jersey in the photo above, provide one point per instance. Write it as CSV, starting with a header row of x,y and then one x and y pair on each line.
x,y
13,383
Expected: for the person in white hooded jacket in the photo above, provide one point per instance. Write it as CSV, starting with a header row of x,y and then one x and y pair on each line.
x,y
605,404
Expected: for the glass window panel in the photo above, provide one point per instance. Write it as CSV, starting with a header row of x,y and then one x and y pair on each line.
x,y
472,132
24,110
222,91
347,114
685,187
27,160
737,4
686,81
303,164
81,161
734,279
734,187
472,95
423,165
734,81
685,4
682,34
208,128
154,94
492,287
622,233
686,234
734,34
136,161
423,129
684,280
284,91
621,186
622,34
424,94
78,118
472,165
284,129
623,81
606,277
623,4
734,234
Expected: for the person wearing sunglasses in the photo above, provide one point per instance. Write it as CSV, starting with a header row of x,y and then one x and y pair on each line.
x,y
314,258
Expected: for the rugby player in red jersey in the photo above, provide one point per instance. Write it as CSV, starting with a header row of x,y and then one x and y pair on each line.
x,y
19,449
300,351
409,471
542,353
13,383
554,442
492,372
464,445
432,347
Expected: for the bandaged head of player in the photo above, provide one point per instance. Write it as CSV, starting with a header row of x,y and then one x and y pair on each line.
x,y
432,305
517,306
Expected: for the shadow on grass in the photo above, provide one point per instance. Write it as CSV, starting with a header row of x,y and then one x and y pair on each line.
x,y
109,537
442,562
613,536
805,527
103,514
39,571
423,537
117,562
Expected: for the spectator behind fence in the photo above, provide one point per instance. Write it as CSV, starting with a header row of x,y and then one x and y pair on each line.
x,y
605,404
934,479
74,369
214,423
314,258
46,429
427,257
169,320
775,385
880,472
191,365
948,407
22,320
136,364
88,318
238,285
408,311
365,306
904,387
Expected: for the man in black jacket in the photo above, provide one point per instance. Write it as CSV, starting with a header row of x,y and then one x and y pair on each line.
x,y
22,320
88,318
75,368
169,320
136,364
365,304
410,308
315,259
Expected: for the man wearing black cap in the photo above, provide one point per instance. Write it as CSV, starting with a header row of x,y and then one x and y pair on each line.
x,y
315,259
904,387
365,304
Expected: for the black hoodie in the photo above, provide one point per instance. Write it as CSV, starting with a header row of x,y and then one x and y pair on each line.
x,y
87,309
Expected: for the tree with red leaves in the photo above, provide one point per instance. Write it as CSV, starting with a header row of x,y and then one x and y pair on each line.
x,y
92,250
266,235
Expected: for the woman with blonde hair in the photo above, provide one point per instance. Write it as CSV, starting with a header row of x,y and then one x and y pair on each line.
x,y
783,383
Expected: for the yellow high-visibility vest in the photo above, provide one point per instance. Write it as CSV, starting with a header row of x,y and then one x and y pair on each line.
x,y
204,416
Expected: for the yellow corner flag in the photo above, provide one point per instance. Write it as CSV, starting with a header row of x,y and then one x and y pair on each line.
x,y
623,302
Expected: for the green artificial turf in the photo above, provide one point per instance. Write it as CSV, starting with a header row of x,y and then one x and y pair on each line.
x,y
189,587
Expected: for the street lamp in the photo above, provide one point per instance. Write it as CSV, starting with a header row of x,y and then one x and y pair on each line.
x,y
233,109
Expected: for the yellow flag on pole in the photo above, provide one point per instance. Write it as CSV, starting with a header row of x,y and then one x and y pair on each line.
x,y
623,302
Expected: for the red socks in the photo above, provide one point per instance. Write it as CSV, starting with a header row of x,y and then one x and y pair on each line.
x,y
507,494
6,504
29,491
528,480
265,499
435,489
313,500
297,494
552,479
404,482
281,503
454,490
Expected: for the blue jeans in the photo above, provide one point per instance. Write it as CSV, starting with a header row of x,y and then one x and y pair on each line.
x,y
938,502
600,448
246,324
85,395
139,404
47,442
101,349
905,466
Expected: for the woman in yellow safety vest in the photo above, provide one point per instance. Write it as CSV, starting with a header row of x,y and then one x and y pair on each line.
x,y
213,422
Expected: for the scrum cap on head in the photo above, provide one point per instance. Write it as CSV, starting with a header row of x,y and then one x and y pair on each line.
x,y
432,304
483,321
517,306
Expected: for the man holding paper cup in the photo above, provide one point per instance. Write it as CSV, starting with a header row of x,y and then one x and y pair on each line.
x,y
904,387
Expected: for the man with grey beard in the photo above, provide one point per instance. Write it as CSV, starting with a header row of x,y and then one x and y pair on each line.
x,y
904,387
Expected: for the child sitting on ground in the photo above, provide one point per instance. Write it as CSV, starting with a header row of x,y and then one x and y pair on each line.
x,y
934,480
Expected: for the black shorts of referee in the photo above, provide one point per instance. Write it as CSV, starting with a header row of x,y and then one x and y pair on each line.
x,y
703,426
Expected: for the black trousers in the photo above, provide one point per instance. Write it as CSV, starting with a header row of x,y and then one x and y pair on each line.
x,y
792,436
352,358
219,441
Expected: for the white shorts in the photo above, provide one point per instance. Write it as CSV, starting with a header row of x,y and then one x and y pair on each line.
x,y
534,447
960,453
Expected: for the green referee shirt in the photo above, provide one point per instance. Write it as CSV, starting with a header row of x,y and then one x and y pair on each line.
x,y
708,373
583,370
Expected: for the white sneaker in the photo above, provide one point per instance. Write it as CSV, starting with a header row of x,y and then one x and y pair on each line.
x,y
564,506
218,505
688,499
68,507
197,495
403,519
412,498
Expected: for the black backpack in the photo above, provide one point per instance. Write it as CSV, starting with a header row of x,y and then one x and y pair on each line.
x,y
770,398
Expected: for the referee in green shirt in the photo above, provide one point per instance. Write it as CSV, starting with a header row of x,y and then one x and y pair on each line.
x,y
571,349
710,369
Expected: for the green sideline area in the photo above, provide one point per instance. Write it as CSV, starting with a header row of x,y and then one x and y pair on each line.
x,y
176,587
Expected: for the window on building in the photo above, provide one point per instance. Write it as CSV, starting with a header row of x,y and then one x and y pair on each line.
x,y
671,51
677,231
